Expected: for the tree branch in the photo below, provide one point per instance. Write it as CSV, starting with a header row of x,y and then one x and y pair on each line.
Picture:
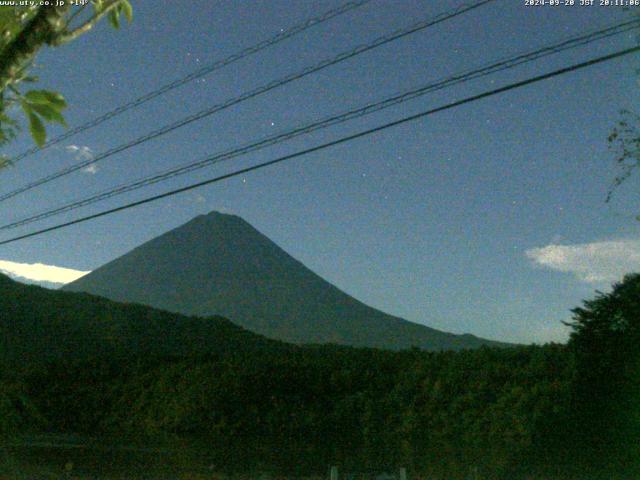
x,y
40,30
66,37
78,11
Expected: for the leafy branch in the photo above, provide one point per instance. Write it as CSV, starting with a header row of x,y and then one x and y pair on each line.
x,y
42,106
110,8
23,32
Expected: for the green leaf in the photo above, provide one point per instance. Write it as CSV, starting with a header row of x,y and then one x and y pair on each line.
x,y
10,24
114,18
37,96
45,97
57,101
37,129
98,6
49,114
127,9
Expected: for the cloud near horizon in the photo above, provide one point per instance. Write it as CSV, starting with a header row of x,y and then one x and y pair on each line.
x,y
595,262
39,272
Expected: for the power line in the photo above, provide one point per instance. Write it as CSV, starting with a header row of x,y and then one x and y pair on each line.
x,y
336,119
201,72
501,65
251,94
339,141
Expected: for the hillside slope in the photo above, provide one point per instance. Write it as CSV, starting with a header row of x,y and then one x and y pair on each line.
x,y
38,324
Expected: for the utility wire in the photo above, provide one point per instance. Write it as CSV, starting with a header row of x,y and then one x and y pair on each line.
x,y
201,72
369,108
251,94
339,141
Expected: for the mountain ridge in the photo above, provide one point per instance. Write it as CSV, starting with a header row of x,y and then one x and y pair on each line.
x,y
219,264
38,325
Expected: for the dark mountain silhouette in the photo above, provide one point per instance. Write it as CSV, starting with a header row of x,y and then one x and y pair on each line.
x,y
218,264
38,324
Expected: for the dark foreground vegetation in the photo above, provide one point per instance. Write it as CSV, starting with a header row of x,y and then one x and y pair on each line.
x,y
554,411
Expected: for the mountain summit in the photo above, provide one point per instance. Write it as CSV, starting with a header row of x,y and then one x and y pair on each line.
x,y
218,264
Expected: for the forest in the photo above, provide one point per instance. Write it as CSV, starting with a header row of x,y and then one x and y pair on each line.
x,y
551,411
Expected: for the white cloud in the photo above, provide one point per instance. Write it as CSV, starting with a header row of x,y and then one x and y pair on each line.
x,y
91,168
82,154
604,261
39,272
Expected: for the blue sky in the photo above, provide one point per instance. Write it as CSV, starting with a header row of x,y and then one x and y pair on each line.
x,y
489,218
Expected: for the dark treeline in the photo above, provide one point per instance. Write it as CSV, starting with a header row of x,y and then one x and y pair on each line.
x,y
309,408
553,411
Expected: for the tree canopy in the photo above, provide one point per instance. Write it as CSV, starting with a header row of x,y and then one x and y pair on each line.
x,y
605,341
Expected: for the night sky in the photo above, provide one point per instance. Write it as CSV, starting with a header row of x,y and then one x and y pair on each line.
x,y
489,218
